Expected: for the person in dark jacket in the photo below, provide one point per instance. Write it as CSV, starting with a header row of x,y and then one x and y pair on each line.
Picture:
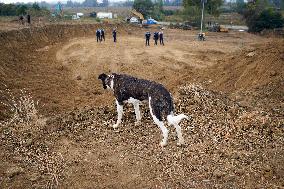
x,y
114,35
102,34
161,36
147,36
21,18
98,34
156,38
29,19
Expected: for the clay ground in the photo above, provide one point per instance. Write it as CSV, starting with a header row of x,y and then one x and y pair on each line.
x,y
231,85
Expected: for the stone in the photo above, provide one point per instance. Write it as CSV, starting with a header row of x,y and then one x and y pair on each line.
x,y
13,171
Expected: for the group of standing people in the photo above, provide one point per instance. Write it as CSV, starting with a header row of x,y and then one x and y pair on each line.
x,y
157,36
100,33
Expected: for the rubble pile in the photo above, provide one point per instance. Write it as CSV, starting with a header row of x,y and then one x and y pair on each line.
x,y
220,119
227,145
26,146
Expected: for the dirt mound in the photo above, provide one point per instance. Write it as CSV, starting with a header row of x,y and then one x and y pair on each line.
x,y
28,61
256,73
80,149
18,46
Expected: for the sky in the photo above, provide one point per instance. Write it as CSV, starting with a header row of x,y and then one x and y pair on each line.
x,y
49,1
27,1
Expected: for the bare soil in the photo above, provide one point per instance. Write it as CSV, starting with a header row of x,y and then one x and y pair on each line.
x,y
231,85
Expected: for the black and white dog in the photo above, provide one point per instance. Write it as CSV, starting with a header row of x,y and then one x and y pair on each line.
x,y
133,90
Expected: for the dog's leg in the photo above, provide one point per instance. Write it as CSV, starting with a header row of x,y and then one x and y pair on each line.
x,y
119,109
165,131
161,125
179,134
174,120
137,113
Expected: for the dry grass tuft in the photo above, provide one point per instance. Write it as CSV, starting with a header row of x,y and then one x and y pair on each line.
x,y
23,137
22,109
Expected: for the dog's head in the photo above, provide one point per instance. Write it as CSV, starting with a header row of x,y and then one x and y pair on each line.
x,y
107,80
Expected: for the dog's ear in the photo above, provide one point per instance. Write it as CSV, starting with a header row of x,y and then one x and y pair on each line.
x,y
102,76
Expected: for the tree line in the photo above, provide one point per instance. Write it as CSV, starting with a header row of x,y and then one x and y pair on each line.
x,y
87,3
258,14
22,9
262,14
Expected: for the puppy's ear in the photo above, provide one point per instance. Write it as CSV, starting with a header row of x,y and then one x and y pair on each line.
x,y
102,76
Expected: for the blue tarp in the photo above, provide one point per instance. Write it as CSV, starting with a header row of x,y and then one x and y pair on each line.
x,y
151,21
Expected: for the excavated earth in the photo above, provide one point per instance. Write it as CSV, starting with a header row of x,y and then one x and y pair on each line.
x,y
55,117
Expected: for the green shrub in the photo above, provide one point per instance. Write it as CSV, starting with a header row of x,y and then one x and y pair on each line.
x,y
168,12
15,10
98,19
260,15
267,19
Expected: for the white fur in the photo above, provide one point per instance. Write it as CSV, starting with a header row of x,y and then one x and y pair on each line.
x,y
111,84
176,119
136,104
161,125
119,109
172,120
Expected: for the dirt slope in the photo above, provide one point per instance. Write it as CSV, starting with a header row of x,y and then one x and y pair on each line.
x,y
255,74
28,62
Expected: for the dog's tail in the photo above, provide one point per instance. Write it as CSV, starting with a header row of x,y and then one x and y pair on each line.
x,y
176,119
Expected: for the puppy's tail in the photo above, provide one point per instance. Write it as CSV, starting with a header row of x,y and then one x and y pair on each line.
x,y
176,119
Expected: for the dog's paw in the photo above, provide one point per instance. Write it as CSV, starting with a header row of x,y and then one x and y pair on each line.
x,y
181,142
115,126
117,130
163,144
137,123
